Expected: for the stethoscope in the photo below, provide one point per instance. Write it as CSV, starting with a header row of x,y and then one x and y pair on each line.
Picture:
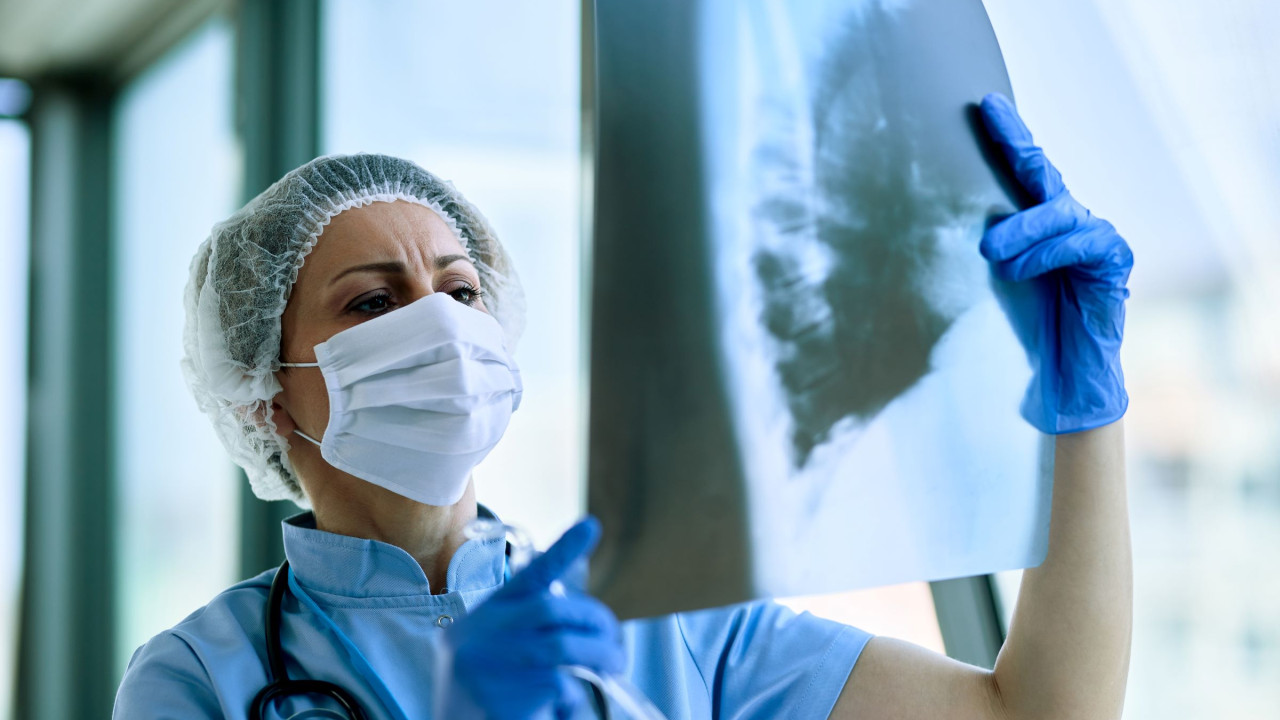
x,y
280,685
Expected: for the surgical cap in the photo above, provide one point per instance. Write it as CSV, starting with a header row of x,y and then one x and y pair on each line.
x,y
243,273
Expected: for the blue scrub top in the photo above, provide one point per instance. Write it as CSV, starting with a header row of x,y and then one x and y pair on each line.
x,y
360,614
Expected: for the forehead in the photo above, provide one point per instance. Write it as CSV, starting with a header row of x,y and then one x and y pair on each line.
x,y
382,231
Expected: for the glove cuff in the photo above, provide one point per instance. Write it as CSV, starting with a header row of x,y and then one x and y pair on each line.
x,y
1060,403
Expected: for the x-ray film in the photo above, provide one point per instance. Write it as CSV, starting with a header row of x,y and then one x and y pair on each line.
x,y
801,379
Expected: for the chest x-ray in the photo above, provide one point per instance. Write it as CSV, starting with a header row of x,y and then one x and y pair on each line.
x,y
802,381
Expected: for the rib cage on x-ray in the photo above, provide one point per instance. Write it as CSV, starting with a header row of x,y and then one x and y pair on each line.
x,y
801,380
846,214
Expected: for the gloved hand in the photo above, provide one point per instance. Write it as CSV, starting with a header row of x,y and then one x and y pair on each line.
x,y
1068,307
507,653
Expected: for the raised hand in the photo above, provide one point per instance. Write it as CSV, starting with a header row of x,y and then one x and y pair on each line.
x,y
1068,270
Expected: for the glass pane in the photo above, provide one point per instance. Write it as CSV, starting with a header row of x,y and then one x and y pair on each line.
x,y
176,173
904,611
15,159
492,106
1163,116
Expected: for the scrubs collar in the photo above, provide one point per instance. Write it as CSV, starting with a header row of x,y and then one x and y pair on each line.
x,y
343,566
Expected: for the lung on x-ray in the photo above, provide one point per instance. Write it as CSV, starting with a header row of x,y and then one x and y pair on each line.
x,y
801,379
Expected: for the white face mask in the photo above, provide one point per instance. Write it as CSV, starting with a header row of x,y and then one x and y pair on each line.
x,y
417,397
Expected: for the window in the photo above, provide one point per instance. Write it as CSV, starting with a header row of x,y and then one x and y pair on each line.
x,y
1162,117
492,106
176,173
15,159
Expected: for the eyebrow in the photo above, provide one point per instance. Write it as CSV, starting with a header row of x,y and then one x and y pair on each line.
x,y
441,263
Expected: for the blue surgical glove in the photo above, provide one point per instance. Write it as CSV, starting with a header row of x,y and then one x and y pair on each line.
x,y
1061,275
507,654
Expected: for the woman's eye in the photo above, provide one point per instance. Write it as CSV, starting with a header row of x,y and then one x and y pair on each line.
x,y
467,295
373,304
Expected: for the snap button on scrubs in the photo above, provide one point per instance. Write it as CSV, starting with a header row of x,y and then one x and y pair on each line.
x,y
366,620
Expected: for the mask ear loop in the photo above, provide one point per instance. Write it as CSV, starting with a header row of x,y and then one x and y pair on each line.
x,y
306,437
296,431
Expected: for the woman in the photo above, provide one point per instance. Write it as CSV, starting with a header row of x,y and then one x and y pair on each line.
x,y
350,327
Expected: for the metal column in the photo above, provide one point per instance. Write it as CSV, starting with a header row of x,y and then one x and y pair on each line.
x,y
969,618
278,110
67,640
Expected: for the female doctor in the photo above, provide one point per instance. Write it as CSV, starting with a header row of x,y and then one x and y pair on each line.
x,y
348,333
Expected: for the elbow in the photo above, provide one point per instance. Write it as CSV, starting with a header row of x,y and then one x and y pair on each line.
x,y
1095,704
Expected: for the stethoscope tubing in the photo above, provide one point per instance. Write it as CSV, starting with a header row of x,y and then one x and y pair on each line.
x,y
279,684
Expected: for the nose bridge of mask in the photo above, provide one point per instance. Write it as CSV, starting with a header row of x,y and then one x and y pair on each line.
x,y
433,329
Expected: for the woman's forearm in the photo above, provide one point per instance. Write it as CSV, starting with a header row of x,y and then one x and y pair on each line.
x,y
1067,654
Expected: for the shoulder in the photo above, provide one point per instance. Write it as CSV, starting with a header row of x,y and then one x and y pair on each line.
x,y
232,619
753,623
172,673
756,631
761,658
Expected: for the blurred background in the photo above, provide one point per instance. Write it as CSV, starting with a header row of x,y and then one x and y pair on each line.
x,y
128,127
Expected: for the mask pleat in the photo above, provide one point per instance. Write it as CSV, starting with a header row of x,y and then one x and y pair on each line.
x,y
447,434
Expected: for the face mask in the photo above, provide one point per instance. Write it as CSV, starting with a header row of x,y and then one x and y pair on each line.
x,y
417,397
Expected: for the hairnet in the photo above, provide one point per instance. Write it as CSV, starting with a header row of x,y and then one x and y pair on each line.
x,y
243,273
